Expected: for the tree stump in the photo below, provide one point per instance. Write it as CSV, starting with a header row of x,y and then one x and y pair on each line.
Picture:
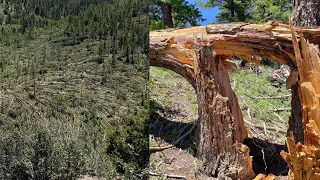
x,y
221,128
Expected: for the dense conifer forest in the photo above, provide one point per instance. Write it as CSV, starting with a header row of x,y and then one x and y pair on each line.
x,y
73,91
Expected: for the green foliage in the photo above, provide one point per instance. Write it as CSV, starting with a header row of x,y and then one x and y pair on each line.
x,y
183,13
264,11
166,93
9,36
124,31
39,157
248,86
254,11
65,91
156,25
230,10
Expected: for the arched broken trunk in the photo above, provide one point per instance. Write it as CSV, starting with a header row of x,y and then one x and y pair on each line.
x,y
221,129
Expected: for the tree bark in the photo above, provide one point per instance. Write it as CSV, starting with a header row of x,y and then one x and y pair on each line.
x,y
303,159
306,14
232,8
295,120
166,10
221,128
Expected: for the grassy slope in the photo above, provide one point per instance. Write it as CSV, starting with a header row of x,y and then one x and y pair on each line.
x,y
246,85
173,94
57,117
174,108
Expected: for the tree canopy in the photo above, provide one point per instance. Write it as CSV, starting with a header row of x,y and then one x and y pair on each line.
x,y
173,13
253,11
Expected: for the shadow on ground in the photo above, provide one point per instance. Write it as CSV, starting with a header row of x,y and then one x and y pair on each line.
x,y
164,131
266,157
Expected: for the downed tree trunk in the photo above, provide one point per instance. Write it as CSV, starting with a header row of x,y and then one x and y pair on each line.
x,y
221,127
304,160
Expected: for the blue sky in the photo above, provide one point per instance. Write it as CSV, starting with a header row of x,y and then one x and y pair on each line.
x,y
209,13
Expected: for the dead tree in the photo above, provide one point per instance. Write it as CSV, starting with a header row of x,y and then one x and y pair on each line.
x,y
306,14
199,54
221,128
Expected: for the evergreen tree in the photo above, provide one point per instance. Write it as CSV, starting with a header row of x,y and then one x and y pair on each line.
x,y
254,11
173,13
263,11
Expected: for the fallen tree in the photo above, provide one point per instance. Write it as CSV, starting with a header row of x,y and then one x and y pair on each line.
x,y
200,55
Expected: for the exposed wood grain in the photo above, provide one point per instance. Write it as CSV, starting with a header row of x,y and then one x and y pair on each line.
x,y
221,128
303,158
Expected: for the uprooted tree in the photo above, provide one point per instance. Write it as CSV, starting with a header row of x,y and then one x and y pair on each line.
x,y
200,55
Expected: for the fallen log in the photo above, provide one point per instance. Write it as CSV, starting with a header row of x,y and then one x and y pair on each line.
x,y
272,97
281,75
168,175
176,142
268,128
280,109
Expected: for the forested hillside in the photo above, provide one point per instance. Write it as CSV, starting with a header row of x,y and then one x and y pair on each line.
x,y
73,89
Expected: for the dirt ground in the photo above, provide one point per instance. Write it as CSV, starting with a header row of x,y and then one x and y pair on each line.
x,y
175,161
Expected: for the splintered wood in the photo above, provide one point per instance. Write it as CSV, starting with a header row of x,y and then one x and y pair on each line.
x,y
200,55
264,177
304,159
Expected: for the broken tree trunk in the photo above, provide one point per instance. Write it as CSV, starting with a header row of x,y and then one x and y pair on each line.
x,y
304,159
221,128
306,14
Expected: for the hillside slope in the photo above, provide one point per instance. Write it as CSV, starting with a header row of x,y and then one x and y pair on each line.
x,y
74,103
